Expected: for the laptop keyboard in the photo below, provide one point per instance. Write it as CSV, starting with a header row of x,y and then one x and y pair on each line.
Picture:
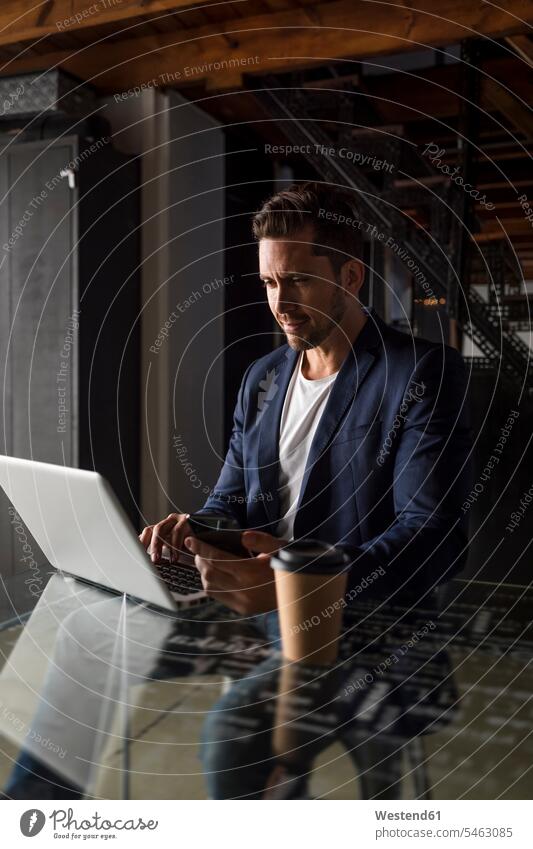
x,y
181,579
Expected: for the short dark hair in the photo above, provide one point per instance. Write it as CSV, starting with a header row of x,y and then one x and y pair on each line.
x,y
327,208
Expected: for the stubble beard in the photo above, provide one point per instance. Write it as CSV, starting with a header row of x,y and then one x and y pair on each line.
x,y
327,324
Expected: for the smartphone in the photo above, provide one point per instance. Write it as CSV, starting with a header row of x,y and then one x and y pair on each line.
x,y
220,531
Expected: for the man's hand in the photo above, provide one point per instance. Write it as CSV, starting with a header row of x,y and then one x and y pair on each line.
x,y
246,585
170,532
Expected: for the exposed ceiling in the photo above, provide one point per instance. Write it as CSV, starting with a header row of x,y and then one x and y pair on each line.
x,y
402,57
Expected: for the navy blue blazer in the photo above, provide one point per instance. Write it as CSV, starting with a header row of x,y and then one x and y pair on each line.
x,y
389,466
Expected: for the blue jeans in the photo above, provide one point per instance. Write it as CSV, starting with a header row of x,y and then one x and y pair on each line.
x,y
221,759
268,626
31,779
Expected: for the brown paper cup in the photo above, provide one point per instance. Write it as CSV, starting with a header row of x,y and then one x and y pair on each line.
x,y
310,607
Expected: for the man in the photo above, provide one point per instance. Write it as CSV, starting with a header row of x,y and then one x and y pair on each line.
x,y
352,432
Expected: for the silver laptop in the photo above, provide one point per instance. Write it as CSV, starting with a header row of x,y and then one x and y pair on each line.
x,y
82,529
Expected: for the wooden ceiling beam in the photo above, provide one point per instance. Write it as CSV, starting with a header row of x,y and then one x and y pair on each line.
x,y
522,45
518,115
21,21
490,228
281,41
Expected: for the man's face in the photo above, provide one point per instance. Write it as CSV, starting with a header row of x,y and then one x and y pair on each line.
x,y
305,299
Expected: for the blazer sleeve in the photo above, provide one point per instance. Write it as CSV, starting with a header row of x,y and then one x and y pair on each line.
x,y
229,495
427,541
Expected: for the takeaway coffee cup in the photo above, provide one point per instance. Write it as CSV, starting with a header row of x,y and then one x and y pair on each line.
x,y
310,580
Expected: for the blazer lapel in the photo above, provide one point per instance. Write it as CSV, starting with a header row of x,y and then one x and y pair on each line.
x,y
273,389
343,393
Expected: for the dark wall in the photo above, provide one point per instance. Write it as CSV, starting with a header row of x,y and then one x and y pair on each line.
x,y
248,328
69,302
497,553
109,297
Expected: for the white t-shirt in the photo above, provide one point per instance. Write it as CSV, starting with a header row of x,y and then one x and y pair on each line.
x,y
303,406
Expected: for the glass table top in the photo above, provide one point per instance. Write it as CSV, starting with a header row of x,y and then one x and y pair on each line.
x,y
428,700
